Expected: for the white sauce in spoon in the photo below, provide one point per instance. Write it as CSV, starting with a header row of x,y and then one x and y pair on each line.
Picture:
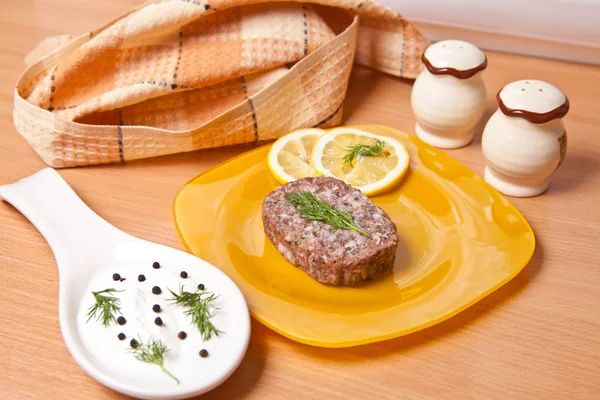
x,y
136,300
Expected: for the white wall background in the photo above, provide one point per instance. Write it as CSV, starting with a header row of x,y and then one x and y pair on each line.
x,y
563,29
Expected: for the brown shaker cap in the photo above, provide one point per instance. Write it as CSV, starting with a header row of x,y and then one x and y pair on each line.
x,y
535,101
459,59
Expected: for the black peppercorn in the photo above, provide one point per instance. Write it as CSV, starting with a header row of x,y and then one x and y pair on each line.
x,y
155,265
203,353
121,336
116,277
182,335
121,321
183,274
156,308
201,287
156,290
134,343
158,321
141,278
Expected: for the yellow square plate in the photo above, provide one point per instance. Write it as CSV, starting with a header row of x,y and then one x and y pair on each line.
x,y
459,240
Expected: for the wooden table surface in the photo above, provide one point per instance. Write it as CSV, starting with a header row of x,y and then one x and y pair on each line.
x,y
536,337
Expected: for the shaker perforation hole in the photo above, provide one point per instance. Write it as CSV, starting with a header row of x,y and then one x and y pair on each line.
x,y
541,90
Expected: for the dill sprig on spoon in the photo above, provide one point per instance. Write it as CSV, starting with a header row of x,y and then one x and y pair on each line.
x,y
152,352
312,208
376,149
105,307
198,304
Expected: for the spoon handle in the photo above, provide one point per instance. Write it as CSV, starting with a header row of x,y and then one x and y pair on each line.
x,y
71,228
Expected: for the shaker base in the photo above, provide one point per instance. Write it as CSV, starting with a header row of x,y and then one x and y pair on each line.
x,y
443,142
511,187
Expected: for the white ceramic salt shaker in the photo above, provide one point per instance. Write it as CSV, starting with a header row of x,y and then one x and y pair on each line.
x,y
525,140
448,97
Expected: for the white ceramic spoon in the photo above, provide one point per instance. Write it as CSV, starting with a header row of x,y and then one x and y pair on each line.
x,y
83,243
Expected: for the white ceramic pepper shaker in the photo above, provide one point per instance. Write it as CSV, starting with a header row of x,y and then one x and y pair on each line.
x,y
525,140
448,97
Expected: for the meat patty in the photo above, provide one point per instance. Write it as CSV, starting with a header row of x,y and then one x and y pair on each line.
x,y
329,255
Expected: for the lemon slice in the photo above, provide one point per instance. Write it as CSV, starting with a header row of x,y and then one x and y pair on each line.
x,y
386,165
290,156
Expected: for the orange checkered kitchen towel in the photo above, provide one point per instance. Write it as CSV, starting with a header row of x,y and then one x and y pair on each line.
x,y
180,75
